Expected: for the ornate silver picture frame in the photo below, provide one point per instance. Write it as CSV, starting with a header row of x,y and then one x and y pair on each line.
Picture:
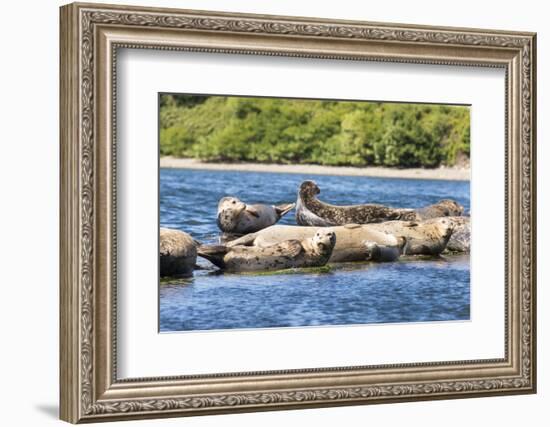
x,y
91,35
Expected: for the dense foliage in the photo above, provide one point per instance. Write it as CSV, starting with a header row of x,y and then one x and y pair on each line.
x,y
278,130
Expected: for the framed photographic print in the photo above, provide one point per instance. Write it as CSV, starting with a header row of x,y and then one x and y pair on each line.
x,y
265,212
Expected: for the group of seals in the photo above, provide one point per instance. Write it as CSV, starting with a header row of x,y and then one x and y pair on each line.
x,y
365,242
325,233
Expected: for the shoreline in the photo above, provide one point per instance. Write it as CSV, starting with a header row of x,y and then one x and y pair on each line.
x,y
442,173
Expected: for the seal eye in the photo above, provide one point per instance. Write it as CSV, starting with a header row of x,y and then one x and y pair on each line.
x,y
233,202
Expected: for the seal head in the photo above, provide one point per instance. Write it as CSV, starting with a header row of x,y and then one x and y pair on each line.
x,y
237,217
229,210
309,189
323,242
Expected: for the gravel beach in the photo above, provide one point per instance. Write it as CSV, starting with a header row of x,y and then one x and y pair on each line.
x,y
443,173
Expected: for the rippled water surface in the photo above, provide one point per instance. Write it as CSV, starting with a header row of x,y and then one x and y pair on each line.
x,y
409,290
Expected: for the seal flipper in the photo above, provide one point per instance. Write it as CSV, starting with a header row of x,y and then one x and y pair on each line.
x,y
246,240
291,248
252,211
282,210
214,253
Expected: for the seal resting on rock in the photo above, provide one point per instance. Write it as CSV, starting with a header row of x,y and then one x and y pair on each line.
x,y
311,211
353,242
429,237
236,217
311,252
445,207
178,253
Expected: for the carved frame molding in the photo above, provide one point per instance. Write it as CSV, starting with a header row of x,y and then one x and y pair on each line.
x,y
90,37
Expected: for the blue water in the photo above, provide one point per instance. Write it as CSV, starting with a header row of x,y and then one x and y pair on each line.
x,y
409,290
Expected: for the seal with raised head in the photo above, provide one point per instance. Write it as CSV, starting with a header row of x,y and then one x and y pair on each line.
x,y
311,211
236,217
353,242
178,253
314,251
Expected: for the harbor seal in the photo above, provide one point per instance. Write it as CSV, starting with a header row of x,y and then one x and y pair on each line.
x,y
313,212
445,207
429,237
353,242
178,253
236,217
311,252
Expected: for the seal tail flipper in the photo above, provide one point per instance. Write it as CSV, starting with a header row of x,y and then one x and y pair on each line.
x,y
214,254
284,209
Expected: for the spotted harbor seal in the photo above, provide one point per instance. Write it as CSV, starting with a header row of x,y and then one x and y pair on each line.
x,y
178,253
445,207
311,252
236,217
353,242
311,211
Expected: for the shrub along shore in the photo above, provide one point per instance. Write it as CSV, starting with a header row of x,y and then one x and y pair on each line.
x,y
283,131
